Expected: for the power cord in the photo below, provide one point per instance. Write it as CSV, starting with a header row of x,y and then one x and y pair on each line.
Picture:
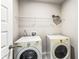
x,y
10,47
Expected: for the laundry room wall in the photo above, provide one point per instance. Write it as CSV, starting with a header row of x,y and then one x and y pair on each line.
x,y
37,17
70,21
15,20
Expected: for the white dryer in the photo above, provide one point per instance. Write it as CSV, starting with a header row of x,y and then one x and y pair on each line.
x,y
58,46
29,47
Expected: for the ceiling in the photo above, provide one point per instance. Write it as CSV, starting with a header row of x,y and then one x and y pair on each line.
x,y
49,1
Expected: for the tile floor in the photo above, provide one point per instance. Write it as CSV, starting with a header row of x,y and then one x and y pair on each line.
x,y
45,56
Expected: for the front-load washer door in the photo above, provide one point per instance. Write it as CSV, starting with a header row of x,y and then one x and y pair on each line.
x,y
29,54
60,51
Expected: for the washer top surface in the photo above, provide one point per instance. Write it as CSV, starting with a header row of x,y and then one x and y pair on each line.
x,y
57,37
28,39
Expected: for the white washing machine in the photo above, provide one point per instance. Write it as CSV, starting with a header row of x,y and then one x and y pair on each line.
x,y
58,47
29,47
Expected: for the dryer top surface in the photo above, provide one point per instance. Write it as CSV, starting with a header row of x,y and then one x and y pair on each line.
x,y
28,39
57,37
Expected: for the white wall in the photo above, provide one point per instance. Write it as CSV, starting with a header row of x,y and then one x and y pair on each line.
x,y
70,21
36,16
15,20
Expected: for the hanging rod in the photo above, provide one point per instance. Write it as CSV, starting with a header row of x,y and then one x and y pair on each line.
x,y
35,18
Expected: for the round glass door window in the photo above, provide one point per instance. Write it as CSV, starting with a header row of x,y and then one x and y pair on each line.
x,y
29,54
61,51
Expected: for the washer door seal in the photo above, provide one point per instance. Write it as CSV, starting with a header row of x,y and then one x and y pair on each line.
x,y
60,51
29,54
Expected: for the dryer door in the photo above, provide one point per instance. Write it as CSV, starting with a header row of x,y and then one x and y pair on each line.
x,y
60,51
